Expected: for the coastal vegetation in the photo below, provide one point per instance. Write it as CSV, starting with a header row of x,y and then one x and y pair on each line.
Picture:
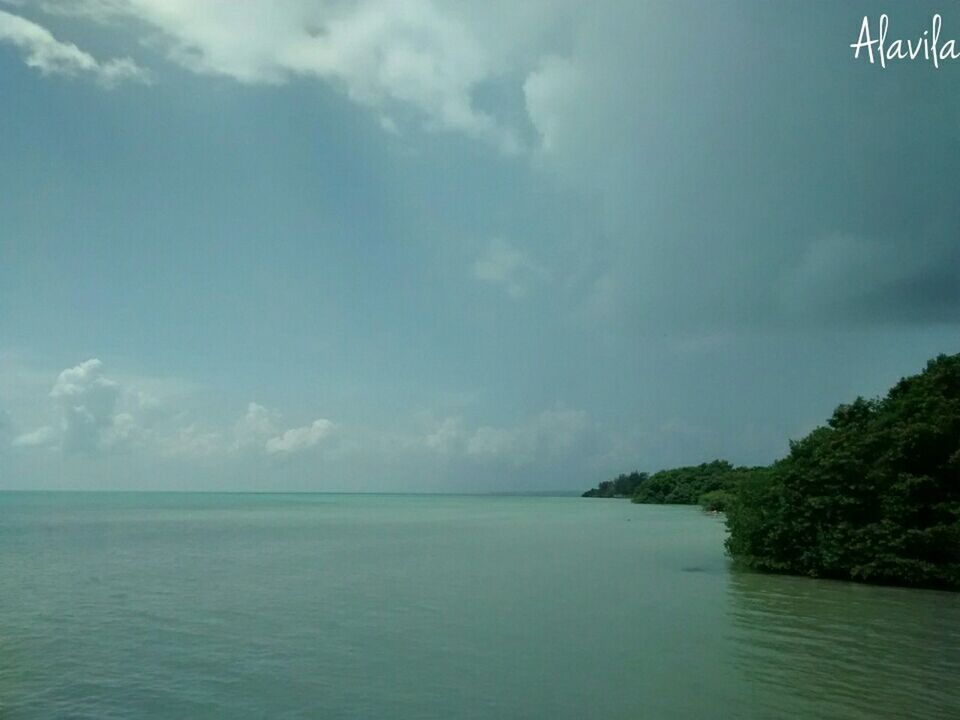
x,y
623,486
872,496
708,484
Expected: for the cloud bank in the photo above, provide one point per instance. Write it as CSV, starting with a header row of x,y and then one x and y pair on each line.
x,y
396,57
97,415
299,438
43,52
685,163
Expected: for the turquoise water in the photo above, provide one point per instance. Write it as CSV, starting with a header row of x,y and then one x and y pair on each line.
x,y
339,606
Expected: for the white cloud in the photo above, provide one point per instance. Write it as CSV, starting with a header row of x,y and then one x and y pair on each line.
x,y
256,426
504,265
43,436
550,435
427,59
192,441
300,438
447,437
93,413
382,53
551,92
99,414
259,430
88,408
50,56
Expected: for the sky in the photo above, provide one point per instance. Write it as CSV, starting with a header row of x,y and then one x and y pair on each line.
x,y
443,246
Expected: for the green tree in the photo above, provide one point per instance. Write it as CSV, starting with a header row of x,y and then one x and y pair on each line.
x,y
872,496
622,486
683,485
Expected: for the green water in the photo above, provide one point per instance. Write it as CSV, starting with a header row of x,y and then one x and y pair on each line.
x,y
338,606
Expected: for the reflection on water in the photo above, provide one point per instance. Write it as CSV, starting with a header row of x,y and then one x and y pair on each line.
x,y
824,649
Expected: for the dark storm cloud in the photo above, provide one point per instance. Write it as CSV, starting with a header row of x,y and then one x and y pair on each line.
x,y
731,142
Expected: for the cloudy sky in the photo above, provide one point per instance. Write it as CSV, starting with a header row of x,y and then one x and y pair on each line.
x,y
440,245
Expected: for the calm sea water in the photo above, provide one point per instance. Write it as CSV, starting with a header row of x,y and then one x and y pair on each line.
x,y
338,606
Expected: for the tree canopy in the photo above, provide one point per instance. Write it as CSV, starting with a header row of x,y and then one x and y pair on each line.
x,y
683,485
622,486
708,484
872,496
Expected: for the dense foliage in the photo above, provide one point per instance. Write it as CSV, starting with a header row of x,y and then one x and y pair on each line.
x,y
684,485
708,484
873,496
622,486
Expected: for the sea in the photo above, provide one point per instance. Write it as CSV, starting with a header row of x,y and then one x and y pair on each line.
x,y
206,605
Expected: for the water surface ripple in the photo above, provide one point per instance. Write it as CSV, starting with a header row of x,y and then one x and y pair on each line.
x,y
122,605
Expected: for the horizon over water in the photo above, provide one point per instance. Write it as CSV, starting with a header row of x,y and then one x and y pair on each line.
x,y
200,604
